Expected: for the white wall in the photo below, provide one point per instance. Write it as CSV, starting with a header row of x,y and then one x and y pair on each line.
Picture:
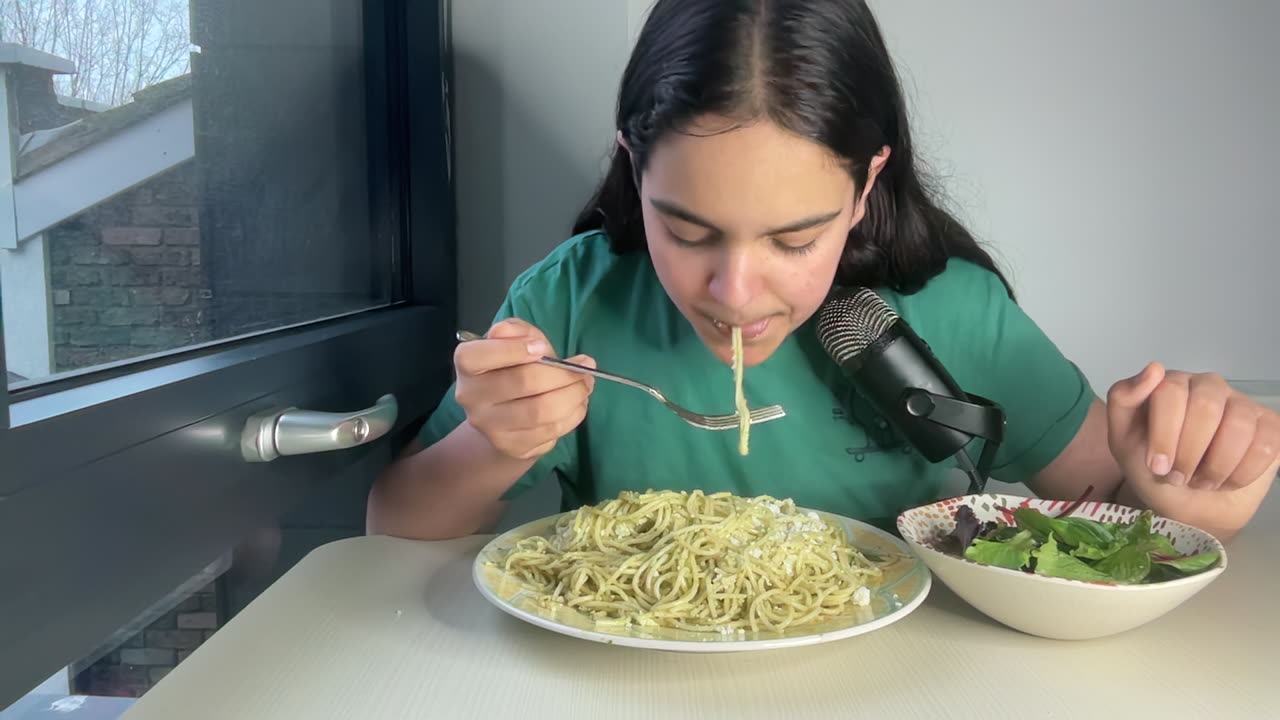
x,y
535,82
1119,157
1122,158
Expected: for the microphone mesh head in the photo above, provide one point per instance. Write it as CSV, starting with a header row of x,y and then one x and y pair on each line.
x,y
849,322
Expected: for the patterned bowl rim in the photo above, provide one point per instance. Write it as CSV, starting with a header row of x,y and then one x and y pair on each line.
x,y
1018,500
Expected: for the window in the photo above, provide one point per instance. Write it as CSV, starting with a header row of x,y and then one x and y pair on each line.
x,y
173,197
230,207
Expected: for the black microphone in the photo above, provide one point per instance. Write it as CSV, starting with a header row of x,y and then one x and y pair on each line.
x,y
898,373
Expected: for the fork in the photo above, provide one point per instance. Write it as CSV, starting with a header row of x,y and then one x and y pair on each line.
x,y
698,420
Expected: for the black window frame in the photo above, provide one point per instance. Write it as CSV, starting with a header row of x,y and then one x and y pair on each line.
x,y
166,425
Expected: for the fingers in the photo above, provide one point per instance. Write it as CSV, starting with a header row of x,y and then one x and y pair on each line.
x,y
1166,412
530,427
514,327
1127,397
1206,403
586,361
1231,443
509,343
1262,454
521,382
540,411
481,356
521,406
1194,429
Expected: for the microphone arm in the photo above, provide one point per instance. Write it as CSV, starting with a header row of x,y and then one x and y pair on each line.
x,y
978,417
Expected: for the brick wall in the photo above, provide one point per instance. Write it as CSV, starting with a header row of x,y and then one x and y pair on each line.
x,y
145,658
126,276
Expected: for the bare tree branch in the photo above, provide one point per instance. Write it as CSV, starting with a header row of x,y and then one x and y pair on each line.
x,y
118,46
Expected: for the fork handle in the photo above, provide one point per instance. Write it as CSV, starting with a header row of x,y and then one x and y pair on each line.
x,y
466,336
574,367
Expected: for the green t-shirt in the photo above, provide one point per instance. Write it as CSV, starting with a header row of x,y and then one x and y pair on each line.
x,y
831,451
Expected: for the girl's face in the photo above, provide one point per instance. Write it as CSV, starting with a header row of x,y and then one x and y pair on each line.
x,y
746,227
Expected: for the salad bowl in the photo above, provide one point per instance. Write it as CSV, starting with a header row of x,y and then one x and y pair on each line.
x,y
1068,571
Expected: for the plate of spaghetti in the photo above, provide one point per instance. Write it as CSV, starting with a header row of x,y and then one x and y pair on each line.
x,y
695,572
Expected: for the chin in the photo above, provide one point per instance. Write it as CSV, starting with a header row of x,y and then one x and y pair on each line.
x,y
756,354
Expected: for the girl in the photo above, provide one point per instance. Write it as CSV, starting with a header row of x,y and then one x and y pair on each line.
x,y
764,156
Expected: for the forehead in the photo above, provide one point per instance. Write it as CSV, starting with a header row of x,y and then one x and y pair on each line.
x,y
747,176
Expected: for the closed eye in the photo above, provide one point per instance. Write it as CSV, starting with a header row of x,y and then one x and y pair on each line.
x,y
796,249
672,210
702,242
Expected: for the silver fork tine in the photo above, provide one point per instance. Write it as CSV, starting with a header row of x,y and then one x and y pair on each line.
x,y
761,415
706,422
730,422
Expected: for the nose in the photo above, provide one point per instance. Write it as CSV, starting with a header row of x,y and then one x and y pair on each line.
x,y
734,281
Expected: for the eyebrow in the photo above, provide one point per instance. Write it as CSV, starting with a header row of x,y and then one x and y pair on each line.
x,y
670,209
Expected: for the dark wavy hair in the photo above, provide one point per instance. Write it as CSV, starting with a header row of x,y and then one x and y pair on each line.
x,y
816,68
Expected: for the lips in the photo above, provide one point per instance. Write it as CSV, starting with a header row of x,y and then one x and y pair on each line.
x,y
750,331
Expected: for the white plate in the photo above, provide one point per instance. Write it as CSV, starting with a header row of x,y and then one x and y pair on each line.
x,y
906,584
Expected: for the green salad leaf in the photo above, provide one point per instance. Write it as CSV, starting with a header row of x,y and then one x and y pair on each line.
x,y
1013,553
1128,565
1050,560
1192,564
1074,548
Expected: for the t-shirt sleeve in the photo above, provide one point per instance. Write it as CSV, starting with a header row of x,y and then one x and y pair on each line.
x,y
526,300
994,350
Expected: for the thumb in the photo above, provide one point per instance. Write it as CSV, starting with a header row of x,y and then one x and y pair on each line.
x,y
586,361
516,329
1127,397
512,328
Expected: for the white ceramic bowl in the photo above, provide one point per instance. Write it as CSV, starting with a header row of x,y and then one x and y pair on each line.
x,y
1047,606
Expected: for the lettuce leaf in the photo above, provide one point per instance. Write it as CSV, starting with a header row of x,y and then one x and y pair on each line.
x,y
1128,566
1075,548
1014,553
1050,560
1192,564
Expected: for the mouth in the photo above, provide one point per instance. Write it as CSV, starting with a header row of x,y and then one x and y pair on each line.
x,y
750,331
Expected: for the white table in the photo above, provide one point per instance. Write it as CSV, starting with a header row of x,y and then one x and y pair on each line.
x,y
375,628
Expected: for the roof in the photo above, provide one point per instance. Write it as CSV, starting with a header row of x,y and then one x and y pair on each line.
x,y
15,54
44,148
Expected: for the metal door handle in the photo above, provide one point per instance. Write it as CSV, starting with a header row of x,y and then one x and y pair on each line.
x,y
290,431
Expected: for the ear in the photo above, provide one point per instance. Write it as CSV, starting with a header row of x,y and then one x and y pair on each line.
x,y
631,159
873,172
